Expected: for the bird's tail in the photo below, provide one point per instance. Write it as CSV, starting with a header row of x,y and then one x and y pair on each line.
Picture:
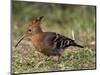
x,y
77,45
73,43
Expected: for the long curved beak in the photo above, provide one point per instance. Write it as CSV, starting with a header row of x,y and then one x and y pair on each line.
x,y
20,40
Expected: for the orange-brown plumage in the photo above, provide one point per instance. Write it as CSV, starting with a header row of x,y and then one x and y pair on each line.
x,y
48,43
37,39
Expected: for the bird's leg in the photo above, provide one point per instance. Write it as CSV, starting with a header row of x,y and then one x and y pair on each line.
x,y
60,55
59,58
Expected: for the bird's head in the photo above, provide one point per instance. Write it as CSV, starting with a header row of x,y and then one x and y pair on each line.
x,y
33,28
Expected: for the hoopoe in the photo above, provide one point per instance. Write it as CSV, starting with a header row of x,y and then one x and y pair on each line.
x,y
48,43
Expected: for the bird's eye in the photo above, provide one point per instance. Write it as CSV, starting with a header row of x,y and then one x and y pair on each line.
x,y
29,30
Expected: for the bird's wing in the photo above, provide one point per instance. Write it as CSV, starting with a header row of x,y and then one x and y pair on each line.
x,y
56,41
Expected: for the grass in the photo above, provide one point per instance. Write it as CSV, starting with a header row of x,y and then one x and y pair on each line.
x,y
62,19
81,59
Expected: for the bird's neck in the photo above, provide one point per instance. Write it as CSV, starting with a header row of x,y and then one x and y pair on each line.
x,y
37,39
38,30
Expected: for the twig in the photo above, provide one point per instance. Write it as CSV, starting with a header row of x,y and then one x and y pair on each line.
x,y
73,37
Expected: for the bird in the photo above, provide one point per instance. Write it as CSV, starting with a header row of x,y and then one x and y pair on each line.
x,y
47,43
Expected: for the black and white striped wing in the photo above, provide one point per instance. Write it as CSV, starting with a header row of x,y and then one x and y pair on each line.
x,y
62,42
57,41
